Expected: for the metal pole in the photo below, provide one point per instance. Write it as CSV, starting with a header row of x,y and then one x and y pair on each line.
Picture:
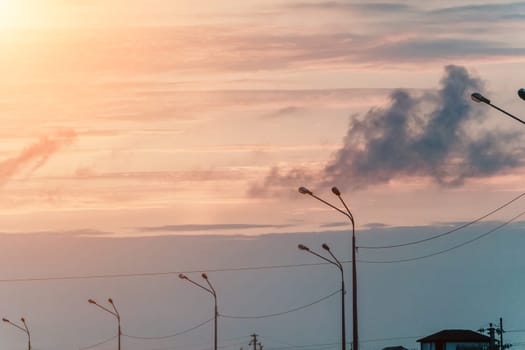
x,y
507,113
119,333
216,316
355,340
501,346
343,323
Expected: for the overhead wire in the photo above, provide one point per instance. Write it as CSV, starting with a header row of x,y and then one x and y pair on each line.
x,y
170,335
460,227
98,344
448,249
267,267
153,274
284,312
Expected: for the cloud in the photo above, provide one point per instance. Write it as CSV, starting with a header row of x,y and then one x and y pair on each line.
x,y
197,227
382,7
499,11
430,135
283,112
36,155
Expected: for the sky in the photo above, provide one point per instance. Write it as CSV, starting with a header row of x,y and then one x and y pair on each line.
x,y
172,135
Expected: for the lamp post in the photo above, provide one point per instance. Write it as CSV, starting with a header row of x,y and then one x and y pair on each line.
x,y
338,264
114,313
479,98
521,93
210,290
24,329
348,214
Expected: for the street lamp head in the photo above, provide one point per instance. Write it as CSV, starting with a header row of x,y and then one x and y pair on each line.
x,y
110,301
205,276
91,301
183,276
325,247
304,190
303,247
5,320
477,97
336,191
23,320
521,93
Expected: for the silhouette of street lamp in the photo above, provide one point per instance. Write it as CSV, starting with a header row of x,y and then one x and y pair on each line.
x,y
337,264
114,313
479,98
521,93
24,329
210,290
348,214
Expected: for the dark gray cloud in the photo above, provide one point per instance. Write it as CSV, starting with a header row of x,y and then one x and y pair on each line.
x,y
405,140
431,135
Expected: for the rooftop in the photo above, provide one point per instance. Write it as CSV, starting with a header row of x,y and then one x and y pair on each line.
x,y
456,335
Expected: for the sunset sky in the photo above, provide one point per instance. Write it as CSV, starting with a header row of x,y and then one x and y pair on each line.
x,y
138,120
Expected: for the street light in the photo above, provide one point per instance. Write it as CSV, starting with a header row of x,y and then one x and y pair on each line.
x,y
210,290
479,98
114,313
24,329
521,93
338,264
348,214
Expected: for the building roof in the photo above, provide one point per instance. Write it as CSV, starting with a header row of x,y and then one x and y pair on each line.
x,y
395,348
456,335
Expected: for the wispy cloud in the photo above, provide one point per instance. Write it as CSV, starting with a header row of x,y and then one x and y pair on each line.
x,y
36,155
215,227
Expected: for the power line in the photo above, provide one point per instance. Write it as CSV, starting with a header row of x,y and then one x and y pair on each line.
x,y
154,274
284,312
170,335
447,232
445,250
98,344
333,344
231,269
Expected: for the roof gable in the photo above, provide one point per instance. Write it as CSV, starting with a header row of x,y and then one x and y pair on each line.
x,y
456,335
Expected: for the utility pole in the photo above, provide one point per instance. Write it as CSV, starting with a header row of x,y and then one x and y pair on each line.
x,y
500,333
254,341
492,331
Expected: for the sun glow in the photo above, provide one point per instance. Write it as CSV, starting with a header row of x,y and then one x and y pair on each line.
x,y
20,13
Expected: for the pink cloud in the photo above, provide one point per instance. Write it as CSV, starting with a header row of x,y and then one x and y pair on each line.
x,y
36,155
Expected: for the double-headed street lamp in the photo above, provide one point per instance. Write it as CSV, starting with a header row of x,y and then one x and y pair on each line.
x,y
479,98
348,214
24,329
338,264
114,313
210,290
521,93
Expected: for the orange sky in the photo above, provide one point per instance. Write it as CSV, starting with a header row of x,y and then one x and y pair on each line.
x,y
182,107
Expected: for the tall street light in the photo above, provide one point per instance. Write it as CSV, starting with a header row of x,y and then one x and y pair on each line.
x,y
24,329
114,313
521,93
210,290
338,264
348,214
479,98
